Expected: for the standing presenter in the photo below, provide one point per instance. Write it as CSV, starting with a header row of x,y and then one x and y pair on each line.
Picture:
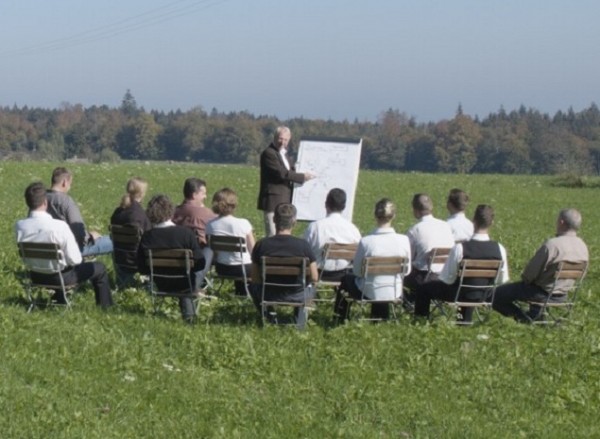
x,y
277,177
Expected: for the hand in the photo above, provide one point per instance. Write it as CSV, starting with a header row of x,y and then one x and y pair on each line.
x,y
309,176
95,235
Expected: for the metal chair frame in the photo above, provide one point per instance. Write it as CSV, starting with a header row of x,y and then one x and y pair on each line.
x,y
334,251
470,269
233,244
55,256
178,260
373,266
296,269
566,271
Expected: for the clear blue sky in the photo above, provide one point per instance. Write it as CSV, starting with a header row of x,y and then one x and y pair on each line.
x,y
339,59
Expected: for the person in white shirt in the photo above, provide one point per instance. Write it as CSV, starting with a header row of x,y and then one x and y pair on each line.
x,y
383,241
478,247
462,227
40,227
428,233
224,203
333,228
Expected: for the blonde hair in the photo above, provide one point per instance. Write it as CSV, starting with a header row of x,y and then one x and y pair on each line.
x,y
224,202
136,189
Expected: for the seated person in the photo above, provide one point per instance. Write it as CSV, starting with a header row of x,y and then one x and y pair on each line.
x,y
224,203
129,212
285,245
537,279
333,228
40,227
428,233
192,212
166,235
478,247
383,241
61,206
462,227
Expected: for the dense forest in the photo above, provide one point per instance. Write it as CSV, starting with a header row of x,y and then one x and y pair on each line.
x,y
522,141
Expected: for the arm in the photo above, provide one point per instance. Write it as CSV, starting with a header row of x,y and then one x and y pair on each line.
x,y
314,274
250,241
275,169
450,269
70,247
536,265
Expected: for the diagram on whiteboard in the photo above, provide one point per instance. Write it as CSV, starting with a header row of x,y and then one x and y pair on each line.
x,y
336,164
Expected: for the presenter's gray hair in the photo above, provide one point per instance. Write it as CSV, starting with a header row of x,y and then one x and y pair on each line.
x,y
279,130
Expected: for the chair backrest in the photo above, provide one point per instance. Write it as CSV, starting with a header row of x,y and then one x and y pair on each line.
x,y
437,256
283,272
382,273
337,250
42,257
168,266
126,239
568,277
479,275
382,265
232,244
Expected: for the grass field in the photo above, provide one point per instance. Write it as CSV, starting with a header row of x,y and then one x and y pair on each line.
x,y
128,373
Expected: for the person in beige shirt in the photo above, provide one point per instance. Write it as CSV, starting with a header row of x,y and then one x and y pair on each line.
x,y
537,279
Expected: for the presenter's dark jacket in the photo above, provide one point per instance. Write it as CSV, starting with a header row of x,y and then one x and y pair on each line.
x,y
276,181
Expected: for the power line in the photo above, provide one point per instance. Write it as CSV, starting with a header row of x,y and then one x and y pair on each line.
x,y
130,24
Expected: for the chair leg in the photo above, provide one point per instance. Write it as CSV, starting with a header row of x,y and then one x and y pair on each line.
x,y
302,318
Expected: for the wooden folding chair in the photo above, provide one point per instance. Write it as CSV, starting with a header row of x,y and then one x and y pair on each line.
x,y
285,274
437,256
49,256
558,305
382,272
232,244
126,239
334,251
476,275
172,270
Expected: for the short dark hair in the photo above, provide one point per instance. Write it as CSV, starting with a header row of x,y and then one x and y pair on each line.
x,y
483,216
224,202
458,199
285,216
191,186
59,174
160,209
422,203
336,200
35,195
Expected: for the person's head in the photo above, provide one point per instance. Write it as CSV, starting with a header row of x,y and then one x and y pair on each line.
x,y
136,188
457,201
35,196
483,218
61,179
568,220
385,211
282,137
194,189
336,200
160,209
224,202
422,205
285,216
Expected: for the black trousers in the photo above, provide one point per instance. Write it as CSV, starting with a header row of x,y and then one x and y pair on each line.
x,y
439,290
342,306
235,270
95,272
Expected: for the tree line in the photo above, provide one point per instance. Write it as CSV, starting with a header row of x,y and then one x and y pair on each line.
x,y
522,141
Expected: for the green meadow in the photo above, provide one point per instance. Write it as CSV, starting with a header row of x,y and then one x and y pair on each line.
x,y
129,373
